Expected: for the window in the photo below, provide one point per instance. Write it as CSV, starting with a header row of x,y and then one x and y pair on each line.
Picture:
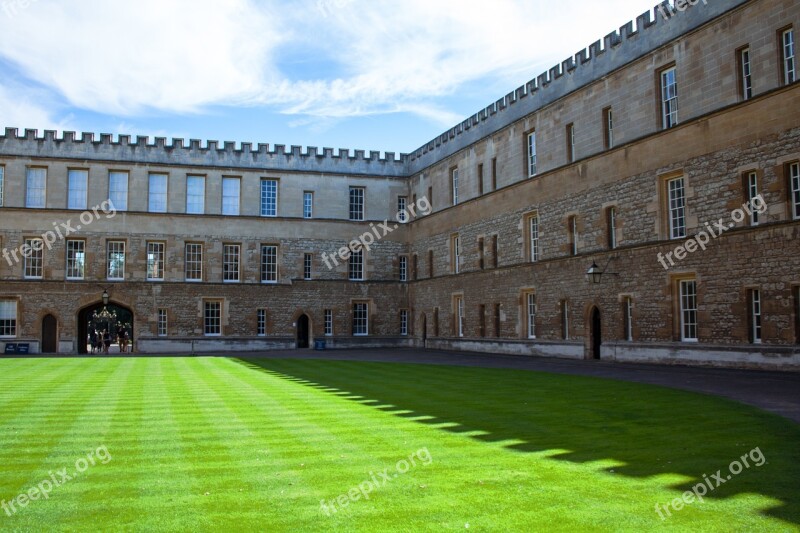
x,y
307,261
33,258
480,178
481,253
669,98
402,214
430,196
158,193
497,312
328,316
611,220
754,300
627,321
230,196
570,142
269,264
677,208
796,291
194,262
195,195
356,203
8,318
530,313
688,309
435,321
458,315
454,183
2,181
455,253
533,237
116,260
745,75
495,252
787,54
261,322
118,190
430,263
751,182
494,173
572,230
231,254
308,204
531,154
76,259
162,323
360,318
269,198
794,178
415,267
78,185
36,188
404,322
564,320
608,128
403,268
482,320
155,261
212,318
356,266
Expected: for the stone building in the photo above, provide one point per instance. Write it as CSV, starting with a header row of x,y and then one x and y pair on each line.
x,y
638,202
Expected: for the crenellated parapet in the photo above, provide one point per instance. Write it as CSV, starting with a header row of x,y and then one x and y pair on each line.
x,y
651,30
245,156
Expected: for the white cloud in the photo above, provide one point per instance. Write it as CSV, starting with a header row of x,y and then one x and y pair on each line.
x,y
23,107
388,56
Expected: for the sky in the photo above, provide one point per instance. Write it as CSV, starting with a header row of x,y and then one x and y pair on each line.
x,y
384,75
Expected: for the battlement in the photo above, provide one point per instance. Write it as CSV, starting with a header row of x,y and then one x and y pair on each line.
x,y
196,153
648,32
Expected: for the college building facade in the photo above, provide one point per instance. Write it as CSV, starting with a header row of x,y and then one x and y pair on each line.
x,y
638,202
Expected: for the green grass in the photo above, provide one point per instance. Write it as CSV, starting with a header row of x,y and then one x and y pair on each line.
x,y
228,444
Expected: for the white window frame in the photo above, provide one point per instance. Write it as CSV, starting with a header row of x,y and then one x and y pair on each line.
x,y
788,55
36,188
357,203
360,319
212,318
328,322
355,266
403,266
688,309
269,263
669,97
610,127
459,305
193,262
8,319
571,142
532,154
231,199
573,229
308,204
308,264
156,255
231,263
456,248
76,259
755,315
77,188
402,214
114,251
404,322
195,194
612,227
162,323
747,74
794,178
118,190
752,192
454,184
157,192
565,319
676,198
33,264
533,236
530,314
2,183
269,197
261,322
628,318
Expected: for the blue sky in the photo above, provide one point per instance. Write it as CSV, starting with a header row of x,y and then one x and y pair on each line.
x,y
359,74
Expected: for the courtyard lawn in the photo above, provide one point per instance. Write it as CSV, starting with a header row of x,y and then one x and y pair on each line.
x,y
233,444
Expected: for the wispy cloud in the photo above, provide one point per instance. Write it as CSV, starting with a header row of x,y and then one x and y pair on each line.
x,y
379,56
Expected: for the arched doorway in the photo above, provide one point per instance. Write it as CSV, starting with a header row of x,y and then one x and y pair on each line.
x,y
303,331
49,334
97,317
597,333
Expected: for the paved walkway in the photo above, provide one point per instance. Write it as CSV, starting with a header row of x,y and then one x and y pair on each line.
x,y
777,392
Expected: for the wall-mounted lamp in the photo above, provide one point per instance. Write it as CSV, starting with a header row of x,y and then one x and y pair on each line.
x,y
595,275
105,297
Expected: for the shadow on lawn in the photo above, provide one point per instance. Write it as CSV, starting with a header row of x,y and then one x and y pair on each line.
x,y
651,430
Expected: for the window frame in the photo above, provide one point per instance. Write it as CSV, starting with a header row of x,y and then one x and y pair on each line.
x,y
788,62
32,174
162,322
355,266
611,222
77,198
532,225
745,71
608,128
116,195
529,303
668,97
269,197
403,268
793,173
261,322
404,322
308,205
229,207
360,311
115,247
231,260
8,324
72,261
454,177
755,312
154,197
193,205
357,204
459,329
269,273
193,256
530,152
688,314
570,136
216,317
159,259
676,213
308,266
328,322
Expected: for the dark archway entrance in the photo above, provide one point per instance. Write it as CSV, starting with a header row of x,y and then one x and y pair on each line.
x,y
98,317
49,334
597,333
303,333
